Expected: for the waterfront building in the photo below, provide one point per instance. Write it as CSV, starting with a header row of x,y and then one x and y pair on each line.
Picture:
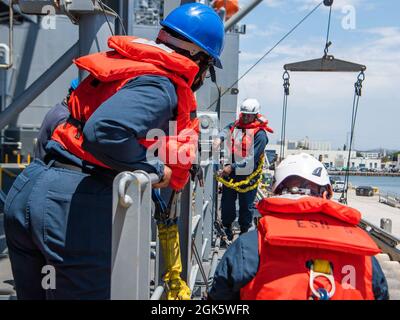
x,y
332,159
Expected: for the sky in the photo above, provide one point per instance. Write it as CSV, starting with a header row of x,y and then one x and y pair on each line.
x,y
320,105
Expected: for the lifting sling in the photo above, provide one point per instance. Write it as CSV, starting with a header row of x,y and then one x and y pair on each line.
x,y
328,63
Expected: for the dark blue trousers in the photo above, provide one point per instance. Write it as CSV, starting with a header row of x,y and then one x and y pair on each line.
x,y
62,219
246,207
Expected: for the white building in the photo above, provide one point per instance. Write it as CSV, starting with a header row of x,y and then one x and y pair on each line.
x,y
307,144
368,163
333,158
370,155
390,165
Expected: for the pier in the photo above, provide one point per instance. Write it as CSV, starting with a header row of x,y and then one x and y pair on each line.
x,y
365,174
373,211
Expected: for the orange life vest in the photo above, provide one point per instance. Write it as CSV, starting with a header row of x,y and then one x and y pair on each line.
x,y
109,72
294,233
242,135
231,7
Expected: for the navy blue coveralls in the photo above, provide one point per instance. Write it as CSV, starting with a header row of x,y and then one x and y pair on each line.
x,y
246,200
61,217
239,265
56,115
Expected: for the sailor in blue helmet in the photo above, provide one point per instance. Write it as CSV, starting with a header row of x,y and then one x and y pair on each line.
x,y
59,211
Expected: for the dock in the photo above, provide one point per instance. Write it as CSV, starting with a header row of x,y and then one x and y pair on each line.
x,y
373,211
365,174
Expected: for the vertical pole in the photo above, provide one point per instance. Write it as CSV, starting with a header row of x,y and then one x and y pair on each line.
x,y
3,92
93,34
170,5
209,212
126,14
129,20
3,89
185,230
199,236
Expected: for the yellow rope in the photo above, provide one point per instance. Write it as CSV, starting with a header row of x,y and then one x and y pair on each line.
x,y
177,289
322,266
244,185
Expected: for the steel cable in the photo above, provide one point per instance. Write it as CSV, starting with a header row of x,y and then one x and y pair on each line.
x,y
269,51
356,100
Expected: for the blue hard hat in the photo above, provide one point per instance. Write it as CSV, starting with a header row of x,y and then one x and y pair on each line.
x,y
74,83
201,25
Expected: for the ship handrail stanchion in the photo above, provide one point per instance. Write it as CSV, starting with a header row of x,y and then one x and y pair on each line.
x,y
132,275
158,292
131,235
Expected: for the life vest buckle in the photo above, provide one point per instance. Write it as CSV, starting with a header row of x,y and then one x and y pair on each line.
x,y
324,270
77,124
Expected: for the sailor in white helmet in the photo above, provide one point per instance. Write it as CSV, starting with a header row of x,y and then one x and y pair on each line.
x,y
303,245
302,174
245,142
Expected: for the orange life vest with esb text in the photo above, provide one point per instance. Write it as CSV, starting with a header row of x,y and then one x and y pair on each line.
x,y
296,234
109,71
242,135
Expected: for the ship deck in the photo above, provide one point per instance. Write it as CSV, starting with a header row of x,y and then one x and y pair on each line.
x,y
370,207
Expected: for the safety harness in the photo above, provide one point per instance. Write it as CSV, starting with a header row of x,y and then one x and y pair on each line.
x,y
321,269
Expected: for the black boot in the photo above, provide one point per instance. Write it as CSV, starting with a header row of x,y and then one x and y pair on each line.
x,y
244,230
228,232
229,236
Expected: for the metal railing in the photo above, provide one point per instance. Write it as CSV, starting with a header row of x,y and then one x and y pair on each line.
x,y
137,264
390,198
8,58
385,240
134,268
131,235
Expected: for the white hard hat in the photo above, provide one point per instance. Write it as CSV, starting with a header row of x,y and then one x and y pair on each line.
x,y
302,165
250,106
